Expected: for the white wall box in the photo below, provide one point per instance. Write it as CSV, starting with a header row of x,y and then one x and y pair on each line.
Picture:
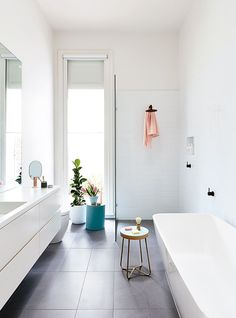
x,y
190,145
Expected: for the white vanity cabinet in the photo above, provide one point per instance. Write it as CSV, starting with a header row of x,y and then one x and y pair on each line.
x,y
49,220
17,234
23,238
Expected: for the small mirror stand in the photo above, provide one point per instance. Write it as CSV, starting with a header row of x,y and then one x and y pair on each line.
x,y
35,172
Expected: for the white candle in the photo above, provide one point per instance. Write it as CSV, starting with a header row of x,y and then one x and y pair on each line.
x,y
138,220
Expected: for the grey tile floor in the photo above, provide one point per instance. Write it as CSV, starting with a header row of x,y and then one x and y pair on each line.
x,y
81,278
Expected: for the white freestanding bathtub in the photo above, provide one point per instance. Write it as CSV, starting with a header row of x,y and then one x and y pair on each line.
x,y
199,255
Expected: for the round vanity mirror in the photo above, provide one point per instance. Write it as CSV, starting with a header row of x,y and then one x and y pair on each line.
x,y
35,169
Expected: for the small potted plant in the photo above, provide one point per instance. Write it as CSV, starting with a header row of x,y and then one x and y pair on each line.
x,y
92,191
19,178
78,205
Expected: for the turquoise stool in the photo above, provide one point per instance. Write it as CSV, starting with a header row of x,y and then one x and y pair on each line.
x,y
95,217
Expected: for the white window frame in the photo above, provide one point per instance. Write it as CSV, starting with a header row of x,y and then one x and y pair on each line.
x,y
3,120
60,119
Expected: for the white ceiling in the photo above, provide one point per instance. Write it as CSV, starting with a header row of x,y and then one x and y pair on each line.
x,y
115,15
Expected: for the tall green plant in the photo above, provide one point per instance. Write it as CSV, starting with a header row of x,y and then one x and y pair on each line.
x,y
76,185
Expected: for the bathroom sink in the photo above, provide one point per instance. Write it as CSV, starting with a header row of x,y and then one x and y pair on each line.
x,y
6,207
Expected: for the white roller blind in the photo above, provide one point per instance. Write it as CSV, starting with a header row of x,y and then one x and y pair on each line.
x,y
85,74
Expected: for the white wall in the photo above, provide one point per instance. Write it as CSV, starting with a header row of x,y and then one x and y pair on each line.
x,y
25,33
147,70
208,73
147,179
141,61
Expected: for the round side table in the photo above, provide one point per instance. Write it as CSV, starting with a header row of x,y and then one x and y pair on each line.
x,y
131,235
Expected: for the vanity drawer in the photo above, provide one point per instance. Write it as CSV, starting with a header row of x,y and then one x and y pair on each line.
x,y
48,208
12,275
15,235
49,231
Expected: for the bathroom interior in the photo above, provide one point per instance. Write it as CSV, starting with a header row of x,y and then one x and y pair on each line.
x,y
117,179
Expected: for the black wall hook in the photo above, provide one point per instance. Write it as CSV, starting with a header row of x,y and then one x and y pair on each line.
x,y
210,193
188,165
151,109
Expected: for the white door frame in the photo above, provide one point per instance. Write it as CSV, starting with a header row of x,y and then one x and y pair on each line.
x,y
60,119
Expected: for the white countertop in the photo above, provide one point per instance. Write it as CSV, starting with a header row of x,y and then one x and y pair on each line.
x,y
31,197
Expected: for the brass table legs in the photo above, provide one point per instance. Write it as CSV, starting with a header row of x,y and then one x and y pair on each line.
x,y
138,268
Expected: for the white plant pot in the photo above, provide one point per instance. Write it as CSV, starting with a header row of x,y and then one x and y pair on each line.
x,y
78,214
93,200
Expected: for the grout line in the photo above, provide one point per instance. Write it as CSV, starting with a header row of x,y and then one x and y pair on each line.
x,y
90,256
84,281
81,291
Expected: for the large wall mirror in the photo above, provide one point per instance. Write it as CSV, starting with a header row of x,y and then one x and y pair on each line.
x,y
10,118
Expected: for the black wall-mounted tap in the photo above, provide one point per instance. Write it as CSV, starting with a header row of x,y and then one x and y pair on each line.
x,y
210,193
188,165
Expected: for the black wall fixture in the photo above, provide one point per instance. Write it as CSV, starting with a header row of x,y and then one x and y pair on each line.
x,y
188,165
210,193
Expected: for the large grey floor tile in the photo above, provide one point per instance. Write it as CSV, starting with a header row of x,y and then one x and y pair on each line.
x,y
97,291
52,290
76,260
128,294
164,313
160,278
127,313
156,295
156,259
82,240
66,242
102,260
50,260
94,314
38,314
117,260
24,291
76,228
10,313
140,292
94,239
103,239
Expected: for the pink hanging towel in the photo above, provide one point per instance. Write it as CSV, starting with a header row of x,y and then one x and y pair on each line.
x,y
150,128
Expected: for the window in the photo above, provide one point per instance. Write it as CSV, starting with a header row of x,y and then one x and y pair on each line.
x,y
88,124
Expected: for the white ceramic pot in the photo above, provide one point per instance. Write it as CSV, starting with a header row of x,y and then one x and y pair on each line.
x,y
93,200
78,214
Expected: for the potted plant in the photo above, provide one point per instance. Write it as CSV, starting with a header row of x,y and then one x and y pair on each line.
x,y
78,207
92,191
19,178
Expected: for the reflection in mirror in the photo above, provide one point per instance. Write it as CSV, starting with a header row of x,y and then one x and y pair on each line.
x,y
10,118
35,171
